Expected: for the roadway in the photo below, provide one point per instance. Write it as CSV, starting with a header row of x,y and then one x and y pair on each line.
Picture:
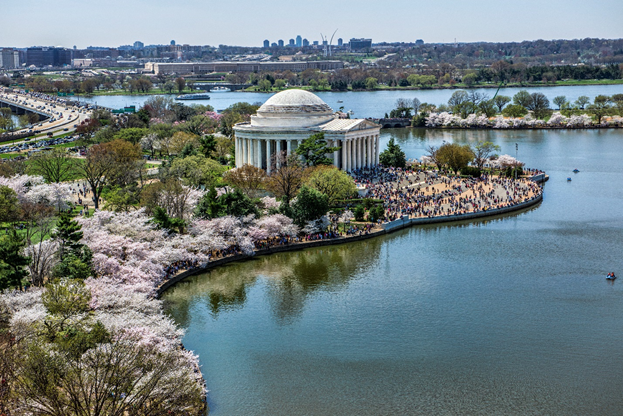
x,y
61,115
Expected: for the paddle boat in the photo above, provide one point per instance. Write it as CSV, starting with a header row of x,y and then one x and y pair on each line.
x,y
575,171
611,276
568,179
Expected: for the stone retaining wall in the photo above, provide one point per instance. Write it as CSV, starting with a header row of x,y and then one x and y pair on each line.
x,y
387,228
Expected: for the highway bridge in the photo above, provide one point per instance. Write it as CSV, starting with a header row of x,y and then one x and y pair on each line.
x,y
55,115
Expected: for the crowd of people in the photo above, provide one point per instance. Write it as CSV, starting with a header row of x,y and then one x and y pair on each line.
x,y
419,193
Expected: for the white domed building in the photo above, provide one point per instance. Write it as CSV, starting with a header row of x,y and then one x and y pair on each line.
x,y
291,116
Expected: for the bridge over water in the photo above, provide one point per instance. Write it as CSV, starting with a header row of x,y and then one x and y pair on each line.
x,y
209,86
392,123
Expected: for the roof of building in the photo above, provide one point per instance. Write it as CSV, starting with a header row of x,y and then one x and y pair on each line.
x,y
295,102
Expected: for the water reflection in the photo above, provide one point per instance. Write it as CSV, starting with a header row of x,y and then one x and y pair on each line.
x,y
292,278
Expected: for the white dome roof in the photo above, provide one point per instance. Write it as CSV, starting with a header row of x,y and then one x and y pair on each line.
x,y
292,108
295,101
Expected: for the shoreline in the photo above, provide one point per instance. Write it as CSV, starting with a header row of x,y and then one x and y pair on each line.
x,y
387,228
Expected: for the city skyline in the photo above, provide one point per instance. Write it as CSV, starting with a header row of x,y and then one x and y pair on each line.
x,y
29,24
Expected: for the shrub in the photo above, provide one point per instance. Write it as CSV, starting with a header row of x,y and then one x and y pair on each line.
x,y
471,171
359,213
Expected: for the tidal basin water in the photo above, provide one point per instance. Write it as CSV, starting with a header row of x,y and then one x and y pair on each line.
x,y
507,315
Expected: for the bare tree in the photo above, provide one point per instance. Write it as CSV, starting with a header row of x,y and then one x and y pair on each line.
x,y
248,178
54,165
288,177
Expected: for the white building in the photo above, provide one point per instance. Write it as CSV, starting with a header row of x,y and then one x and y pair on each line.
x,y
291,116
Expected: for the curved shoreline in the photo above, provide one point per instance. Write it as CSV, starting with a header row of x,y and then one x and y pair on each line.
x,y
388,228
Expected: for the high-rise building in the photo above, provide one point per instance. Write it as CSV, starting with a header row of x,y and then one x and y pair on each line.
x,y
172,43
360,43
291,43
273,45
299,41
138,45
315,43
280,42
41,56
305,42
340,42
9,58
419,42
266,43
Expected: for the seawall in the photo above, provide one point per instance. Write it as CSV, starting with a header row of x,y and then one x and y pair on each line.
x,y
389,227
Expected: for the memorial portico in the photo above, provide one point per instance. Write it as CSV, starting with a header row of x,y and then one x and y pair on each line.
x,y
291,116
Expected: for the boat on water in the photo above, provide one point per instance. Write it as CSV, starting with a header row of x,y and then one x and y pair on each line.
x,y
340,101
220,89
575,171
568,179
611,276
195,96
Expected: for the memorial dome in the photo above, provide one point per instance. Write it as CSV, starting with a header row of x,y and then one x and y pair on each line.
x,y
292,109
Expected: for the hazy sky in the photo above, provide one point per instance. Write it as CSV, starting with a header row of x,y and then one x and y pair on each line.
x,y
248,22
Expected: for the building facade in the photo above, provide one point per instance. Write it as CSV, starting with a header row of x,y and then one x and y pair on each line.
x,y
291,116
251,66
9,58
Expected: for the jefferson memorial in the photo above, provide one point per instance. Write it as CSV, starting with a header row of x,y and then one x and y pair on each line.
x,y
291,116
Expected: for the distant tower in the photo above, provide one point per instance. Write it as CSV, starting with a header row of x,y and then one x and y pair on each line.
x,y
305,42
75,47
280,43
172,43
273,45
139,45
291,43
299,41
340,42
266,44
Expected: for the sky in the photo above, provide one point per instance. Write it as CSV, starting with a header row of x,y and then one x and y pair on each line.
x,y
113,23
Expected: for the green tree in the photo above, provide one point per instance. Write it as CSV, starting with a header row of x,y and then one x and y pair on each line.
x,y
12,263
334,183
455,156
470,79
393,155
522,98
180,83
132,135
9,204
514,110
487,107
371,83
500,101
560,101
617,99
600,107
168,86
457,100
197,170
539,104
310,205
314,150
164,222
68,235
482,151
582,101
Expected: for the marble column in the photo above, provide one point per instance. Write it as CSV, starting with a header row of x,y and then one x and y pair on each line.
x,y
289,148
268,159
258,153
358,166
278,153
237,152
245,151
376,140
369,142
343,161
335,154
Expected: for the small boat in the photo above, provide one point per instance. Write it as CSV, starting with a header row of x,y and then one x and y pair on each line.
x,y
197,96
220,89
613,277
568,179
340,101
575,171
